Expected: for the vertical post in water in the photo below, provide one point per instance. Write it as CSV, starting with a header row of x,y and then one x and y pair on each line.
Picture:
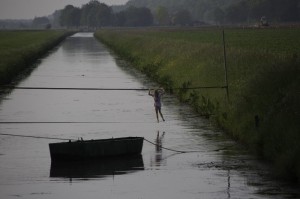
x,y
225,65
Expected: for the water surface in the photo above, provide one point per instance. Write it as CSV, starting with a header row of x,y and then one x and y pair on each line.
x,y
220,168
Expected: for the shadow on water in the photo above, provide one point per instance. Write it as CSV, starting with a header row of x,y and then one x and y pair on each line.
x,y
96,168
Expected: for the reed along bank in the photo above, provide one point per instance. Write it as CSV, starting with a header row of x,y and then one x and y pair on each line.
x,y
20,49
262,106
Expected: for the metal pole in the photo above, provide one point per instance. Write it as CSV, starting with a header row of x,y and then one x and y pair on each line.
x,y
225,65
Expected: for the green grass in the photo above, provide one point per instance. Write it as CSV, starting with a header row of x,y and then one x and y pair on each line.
x,y
19,49
263,79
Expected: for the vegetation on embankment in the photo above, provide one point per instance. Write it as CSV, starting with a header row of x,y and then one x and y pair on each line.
x,y
263,78
19,49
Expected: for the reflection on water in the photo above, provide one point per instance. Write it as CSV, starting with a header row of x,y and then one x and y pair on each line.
x,y
158,159
97,168
159,141
228,185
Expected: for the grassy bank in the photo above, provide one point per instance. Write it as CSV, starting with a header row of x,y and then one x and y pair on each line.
x,y
263,80
19,49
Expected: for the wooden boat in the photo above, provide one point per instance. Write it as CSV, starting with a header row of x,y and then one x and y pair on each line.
x,y
96,149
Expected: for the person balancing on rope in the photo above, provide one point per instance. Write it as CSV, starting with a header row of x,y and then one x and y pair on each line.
x,y
157,94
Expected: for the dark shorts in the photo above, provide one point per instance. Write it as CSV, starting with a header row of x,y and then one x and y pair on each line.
x,y
157,107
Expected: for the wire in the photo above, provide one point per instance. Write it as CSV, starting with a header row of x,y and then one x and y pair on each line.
x,y
69,88
177,151
73,122
65,139
106,89
53,138
39,137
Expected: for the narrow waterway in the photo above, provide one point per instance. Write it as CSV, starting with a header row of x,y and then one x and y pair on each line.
x,y
220,168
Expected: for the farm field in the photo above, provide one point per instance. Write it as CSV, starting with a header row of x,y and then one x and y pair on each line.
x,y
262,106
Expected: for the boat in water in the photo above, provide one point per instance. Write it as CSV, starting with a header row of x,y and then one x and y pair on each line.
x,y
96,149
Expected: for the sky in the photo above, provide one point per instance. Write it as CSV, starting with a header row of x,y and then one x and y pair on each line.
x,y
28,9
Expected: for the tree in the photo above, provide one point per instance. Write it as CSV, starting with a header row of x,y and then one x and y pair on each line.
x,y
290,11
88,14
120,18
138,16
258,8
104,15
55,18
96,14
145,16
70,16
182,17
162,16
237,13
219,15
40,22
275,10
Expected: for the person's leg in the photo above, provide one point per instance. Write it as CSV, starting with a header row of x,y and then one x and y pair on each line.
x,y
161,115
156,111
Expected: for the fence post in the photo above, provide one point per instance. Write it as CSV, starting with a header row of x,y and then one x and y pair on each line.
x,y
225,65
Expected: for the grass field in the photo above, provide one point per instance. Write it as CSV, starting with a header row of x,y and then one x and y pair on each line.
x,y
19,49
263,110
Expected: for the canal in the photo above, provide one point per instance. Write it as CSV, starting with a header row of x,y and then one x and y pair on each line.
x,y
219,169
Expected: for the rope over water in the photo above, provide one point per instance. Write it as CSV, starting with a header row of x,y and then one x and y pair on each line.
x,y
177,151
39,137
106,89
65,139
74,122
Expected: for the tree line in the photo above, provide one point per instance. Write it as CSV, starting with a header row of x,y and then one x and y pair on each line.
x,y
277,11
226,11
180,12
165,13
95,14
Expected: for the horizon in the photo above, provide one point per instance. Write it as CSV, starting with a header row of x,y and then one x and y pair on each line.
x,y
29,9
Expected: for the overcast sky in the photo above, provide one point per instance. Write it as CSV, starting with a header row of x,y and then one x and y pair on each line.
x,y
28,9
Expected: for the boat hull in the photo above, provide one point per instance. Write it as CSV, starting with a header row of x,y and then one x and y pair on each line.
x,y
95,149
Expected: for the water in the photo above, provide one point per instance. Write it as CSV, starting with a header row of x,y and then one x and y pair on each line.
x,y
221,168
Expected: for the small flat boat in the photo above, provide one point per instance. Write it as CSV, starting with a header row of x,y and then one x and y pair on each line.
x,y
96,149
